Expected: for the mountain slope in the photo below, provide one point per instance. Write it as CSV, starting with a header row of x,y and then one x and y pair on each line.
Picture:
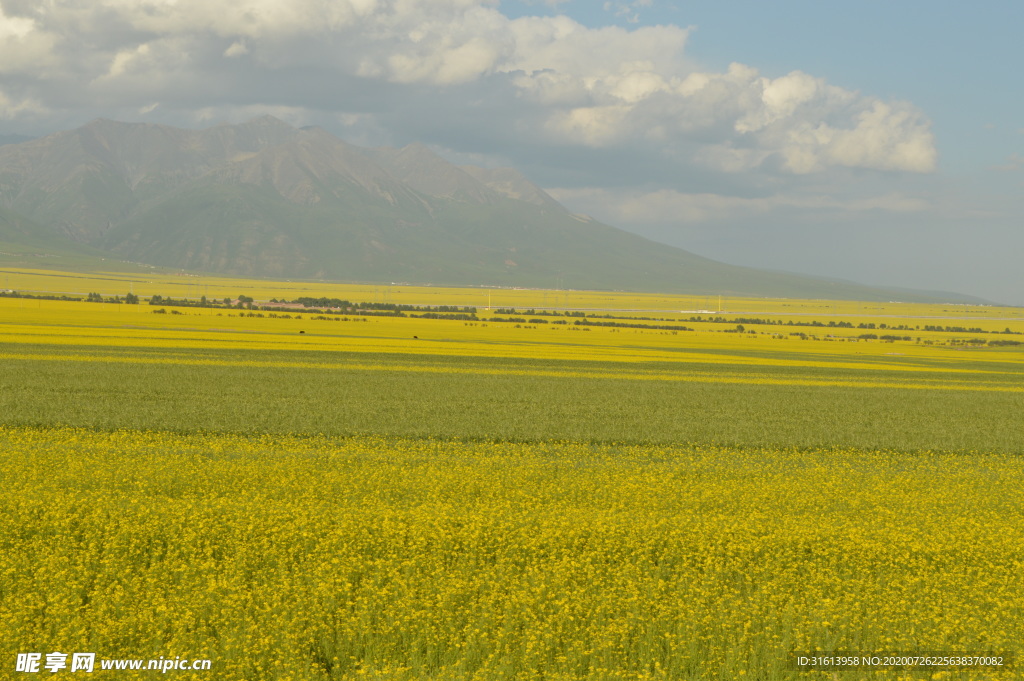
x,y
264,199
511,183
26,243
84,181
426,172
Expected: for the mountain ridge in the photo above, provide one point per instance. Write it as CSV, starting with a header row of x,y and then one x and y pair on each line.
x,y
264,198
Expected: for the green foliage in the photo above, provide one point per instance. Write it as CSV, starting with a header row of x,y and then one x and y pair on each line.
x,y
436,396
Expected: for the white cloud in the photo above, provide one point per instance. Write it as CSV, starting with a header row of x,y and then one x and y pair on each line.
x,y
236,18
560,83
627,10
129,60
24,46
207,116
594,126
236,49
564,46
888,136
19,108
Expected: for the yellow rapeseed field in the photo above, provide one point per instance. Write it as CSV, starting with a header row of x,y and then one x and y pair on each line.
x,y
312,558
111,331
277,552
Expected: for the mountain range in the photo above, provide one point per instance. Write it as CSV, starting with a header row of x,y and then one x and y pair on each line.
x,y
266,199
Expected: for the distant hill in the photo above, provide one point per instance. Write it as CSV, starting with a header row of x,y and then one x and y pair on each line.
x,y
22,240
265,199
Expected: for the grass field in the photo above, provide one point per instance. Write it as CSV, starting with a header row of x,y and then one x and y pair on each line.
x,y
406,498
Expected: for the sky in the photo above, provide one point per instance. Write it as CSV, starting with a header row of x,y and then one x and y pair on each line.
x,y
876,142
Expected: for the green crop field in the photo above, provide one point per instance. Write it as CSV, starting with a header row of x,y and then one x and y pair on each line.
x,y
511,399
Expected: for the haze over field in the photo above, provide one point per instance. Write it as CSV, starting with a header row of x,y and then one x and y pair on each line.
x,y
868,142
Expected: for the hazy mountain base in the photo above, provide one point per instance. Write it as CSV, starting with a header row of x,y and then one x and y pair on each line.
x,y
28,244
263,199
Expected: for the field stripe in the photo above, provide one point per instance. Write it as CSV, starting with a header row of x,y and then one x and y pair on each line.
x,y
973,385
